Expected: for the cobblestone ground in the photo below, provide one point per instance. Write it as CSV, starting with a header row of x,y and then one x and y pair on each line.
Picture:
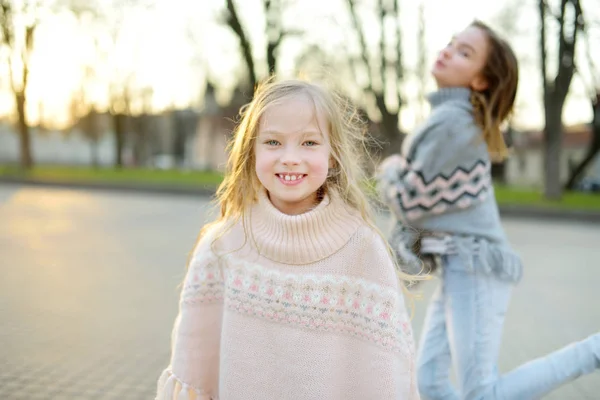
x,y
89,286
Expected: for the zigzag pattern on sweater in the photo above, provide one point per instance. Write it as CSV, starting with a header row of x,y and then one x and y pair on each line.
x,y
463,187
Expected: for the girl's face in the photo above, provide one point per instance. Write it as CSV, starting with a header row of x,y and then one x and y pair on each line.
x,y
461,62
292,154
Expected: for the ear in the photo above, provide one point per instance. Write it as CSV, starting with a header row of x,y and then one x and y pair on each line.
x,y
479,83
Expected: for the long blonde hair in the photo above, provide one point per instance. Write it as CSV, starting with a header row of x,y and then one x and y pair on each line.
x,y
348,140
494,104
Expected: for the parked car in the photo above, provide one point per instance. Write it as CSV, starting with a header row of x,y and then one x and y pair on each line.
x,y
589,185
163,161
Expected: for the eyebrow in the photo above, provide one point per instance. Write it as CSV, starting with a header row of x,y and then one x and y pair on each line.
x,y
276,133
463,44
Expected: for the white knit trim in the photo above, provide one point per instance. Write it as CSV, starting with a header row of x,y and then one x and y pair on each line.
x,y
172,388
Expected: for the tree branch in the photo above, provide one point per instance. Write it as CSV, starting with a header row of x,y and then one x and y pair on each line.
x,y
382,46
566,67
549,11
543,52
234,22
363,45
399,65
591,64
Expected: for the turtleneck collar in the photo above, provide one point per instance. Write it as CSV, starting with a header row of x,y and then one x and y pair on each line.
x,y
304,238
444,95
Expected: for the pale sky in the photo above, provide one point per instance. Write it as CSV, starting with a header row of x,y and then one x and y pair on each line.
x,y
157,49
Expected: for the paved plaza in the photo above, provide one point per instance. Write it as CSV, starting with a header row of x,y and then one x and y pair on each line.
x,y
89,287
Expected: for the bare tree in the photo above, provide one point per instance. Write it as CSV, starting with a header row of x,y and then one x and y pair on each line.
x,y
233,21
593,147
141,127
106,24
508,23
275,31
578,170
275,34
555,90
83,107
384,71
18,39
122,87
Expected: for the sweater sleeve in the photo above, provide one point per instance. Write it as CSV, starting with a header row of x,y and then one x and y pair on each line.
x,y
193,371
446,170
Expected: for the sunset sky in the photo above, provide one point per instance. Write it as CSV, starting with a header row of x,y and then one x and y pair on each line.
x,y
157,49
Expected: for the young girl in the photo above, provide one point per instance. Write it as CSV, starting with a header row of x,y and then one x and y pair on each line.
x,y
292,293
440,186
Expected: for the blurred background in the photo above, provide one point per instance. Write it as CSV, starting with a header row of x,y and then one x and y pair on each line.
x,y
158,84
136,99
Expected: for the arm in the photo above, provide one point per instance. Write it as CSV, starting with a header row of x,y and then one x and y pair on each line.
x,y
446,171
194,363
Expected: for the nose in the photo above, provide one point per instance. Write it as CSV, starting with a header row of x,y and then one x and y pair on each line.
x,y
290,156
446,52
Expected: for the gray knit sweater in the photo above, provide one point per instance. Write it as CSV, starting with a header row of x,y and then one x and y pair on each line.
x,y
441,184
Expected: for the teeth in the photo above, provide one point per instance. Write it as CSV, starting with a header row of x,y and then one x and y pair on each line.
x,y
290,177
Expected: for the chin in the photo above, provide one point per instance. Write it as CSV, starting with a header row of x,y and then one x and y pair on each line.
x,y
436,77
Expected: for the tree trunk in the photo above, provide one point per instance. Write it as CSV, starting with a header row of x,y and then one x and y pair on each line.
x,y
392,135
271,57
390,129
139,135
212,151
24,133
593,149
91,128
578,172
499,172
94,151
552,147
119,127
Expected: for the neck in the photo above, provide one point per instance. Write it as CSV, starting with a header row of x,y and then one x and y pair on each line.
x,y
295,208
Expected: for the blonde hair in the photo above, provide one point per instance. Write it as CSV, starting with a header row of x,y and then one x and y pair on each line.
x,y
495,103
348,139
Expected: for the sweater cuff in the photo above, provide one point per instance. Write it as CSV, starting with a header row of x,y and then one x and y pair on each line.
x,y
172,388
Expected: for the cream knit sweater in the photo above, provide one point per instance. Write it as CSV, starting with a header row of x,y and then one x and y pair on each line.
x,y
303,307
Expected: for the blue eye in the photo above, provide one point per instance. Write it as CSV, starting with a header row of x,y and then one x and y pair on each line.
x,y
310,143
272,142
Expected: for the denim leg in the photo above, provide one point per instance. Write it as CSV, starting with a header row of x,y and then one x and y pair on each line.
x,y
475,310
545,374
476,305
433,361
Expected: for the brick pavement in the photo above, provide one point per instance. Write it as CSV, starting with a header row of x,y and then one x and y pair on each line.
x,y
89,291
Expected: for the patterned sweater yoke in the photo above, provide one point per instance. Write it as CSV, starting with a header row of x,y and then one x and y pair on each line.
x,y
280,307
444,165
441,183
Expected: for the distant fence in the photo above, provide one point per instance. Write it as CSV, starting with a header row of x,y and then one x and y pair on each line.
x,y
57,148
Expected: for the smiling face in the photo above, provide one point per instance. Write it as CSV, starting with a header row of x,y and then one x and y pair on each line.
x,y
461,62
292,153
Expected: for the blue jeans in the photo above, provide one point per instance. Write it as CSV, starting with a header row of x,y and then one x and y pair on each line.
x,y
464,325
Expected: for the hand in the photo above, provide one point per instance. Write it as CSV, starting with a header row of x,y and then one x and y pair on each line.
x,y
394,161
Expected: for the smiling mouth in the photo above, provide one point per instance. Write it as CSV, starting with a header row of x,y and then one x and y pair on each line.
x,y
290,178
